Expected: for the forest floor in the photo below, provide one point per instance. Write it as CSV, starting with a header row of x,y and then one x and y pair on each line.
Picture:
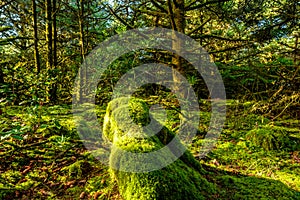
x,y
43,157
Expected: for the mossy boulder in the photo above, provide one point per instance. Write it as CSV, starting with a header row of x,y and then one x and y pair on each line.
x,y
181,179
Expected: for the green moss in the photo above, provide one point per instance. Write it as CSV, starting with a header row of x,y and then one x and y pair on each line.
x,y
179,180
77,169
271,174
11,176
176,181
115,119
255,188
102,184
73,192
26,185
268,137
246,121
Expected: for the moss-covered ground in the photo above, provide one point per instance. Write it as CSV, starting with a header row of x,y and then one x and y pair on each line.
x,y
42,157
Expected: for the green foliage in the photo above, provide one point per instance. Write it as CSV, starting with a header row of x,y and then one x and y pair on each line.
x,y
48,163
16,131
255,45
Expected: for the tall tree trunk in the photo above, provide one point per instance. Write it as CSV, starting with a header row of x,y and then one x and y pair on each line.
x,y
54,33
49,58
201,30
53,90
177,14
23,28
35,36
48,15
82,50
296,54
81,27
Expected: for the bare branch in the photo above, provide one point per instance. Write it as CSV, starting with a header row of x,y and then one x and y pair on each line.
x,y
191,6
171,14
226,49
199,27
154,13
125,23
159,6
221,38
119,18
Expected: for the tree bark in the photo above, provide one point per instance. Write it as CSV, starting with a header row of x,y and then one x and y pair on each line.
x,y
48,15
81,41
35,36
177,15
54,33
53,90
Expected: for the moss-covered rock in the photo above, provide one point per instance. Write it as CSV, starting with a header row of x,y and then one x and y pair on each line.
x,y
181,179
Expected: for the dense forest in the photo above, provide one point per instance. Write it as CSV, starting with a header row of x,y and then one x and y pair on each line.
x,y
48,152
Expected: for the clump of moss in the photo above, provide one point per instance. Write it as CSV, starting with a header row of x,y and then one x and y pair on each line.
x,y
254,188
268,137
77,169
180,180
116,120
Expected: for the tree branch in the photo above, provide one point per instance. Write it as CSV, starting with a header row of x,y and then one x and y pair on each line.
x,y
154,13
199,27
171,14
226,49
159,6
221,38
192,7
119,18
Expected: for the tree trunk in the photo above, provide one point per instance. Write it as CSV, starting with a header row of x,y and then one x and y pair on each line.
x,y
35,36
82,51
177,14
48,15
296,57
49,58
53,90
54,33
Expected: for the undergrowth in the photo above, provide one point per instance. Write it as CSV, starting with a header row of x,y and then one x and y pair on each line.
x,y
42,156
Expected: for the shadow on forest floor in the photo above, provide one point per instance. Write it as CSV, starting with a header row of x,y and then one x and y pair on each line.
x,y
238,186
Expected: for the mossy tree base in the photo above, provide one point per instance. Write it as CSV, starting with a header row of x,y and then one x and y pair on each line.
x,y
180,180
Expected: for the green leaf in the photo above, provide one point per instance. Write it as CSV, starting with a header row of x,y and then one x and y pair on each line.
x,y
44,126
57,124
19,137
5,136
